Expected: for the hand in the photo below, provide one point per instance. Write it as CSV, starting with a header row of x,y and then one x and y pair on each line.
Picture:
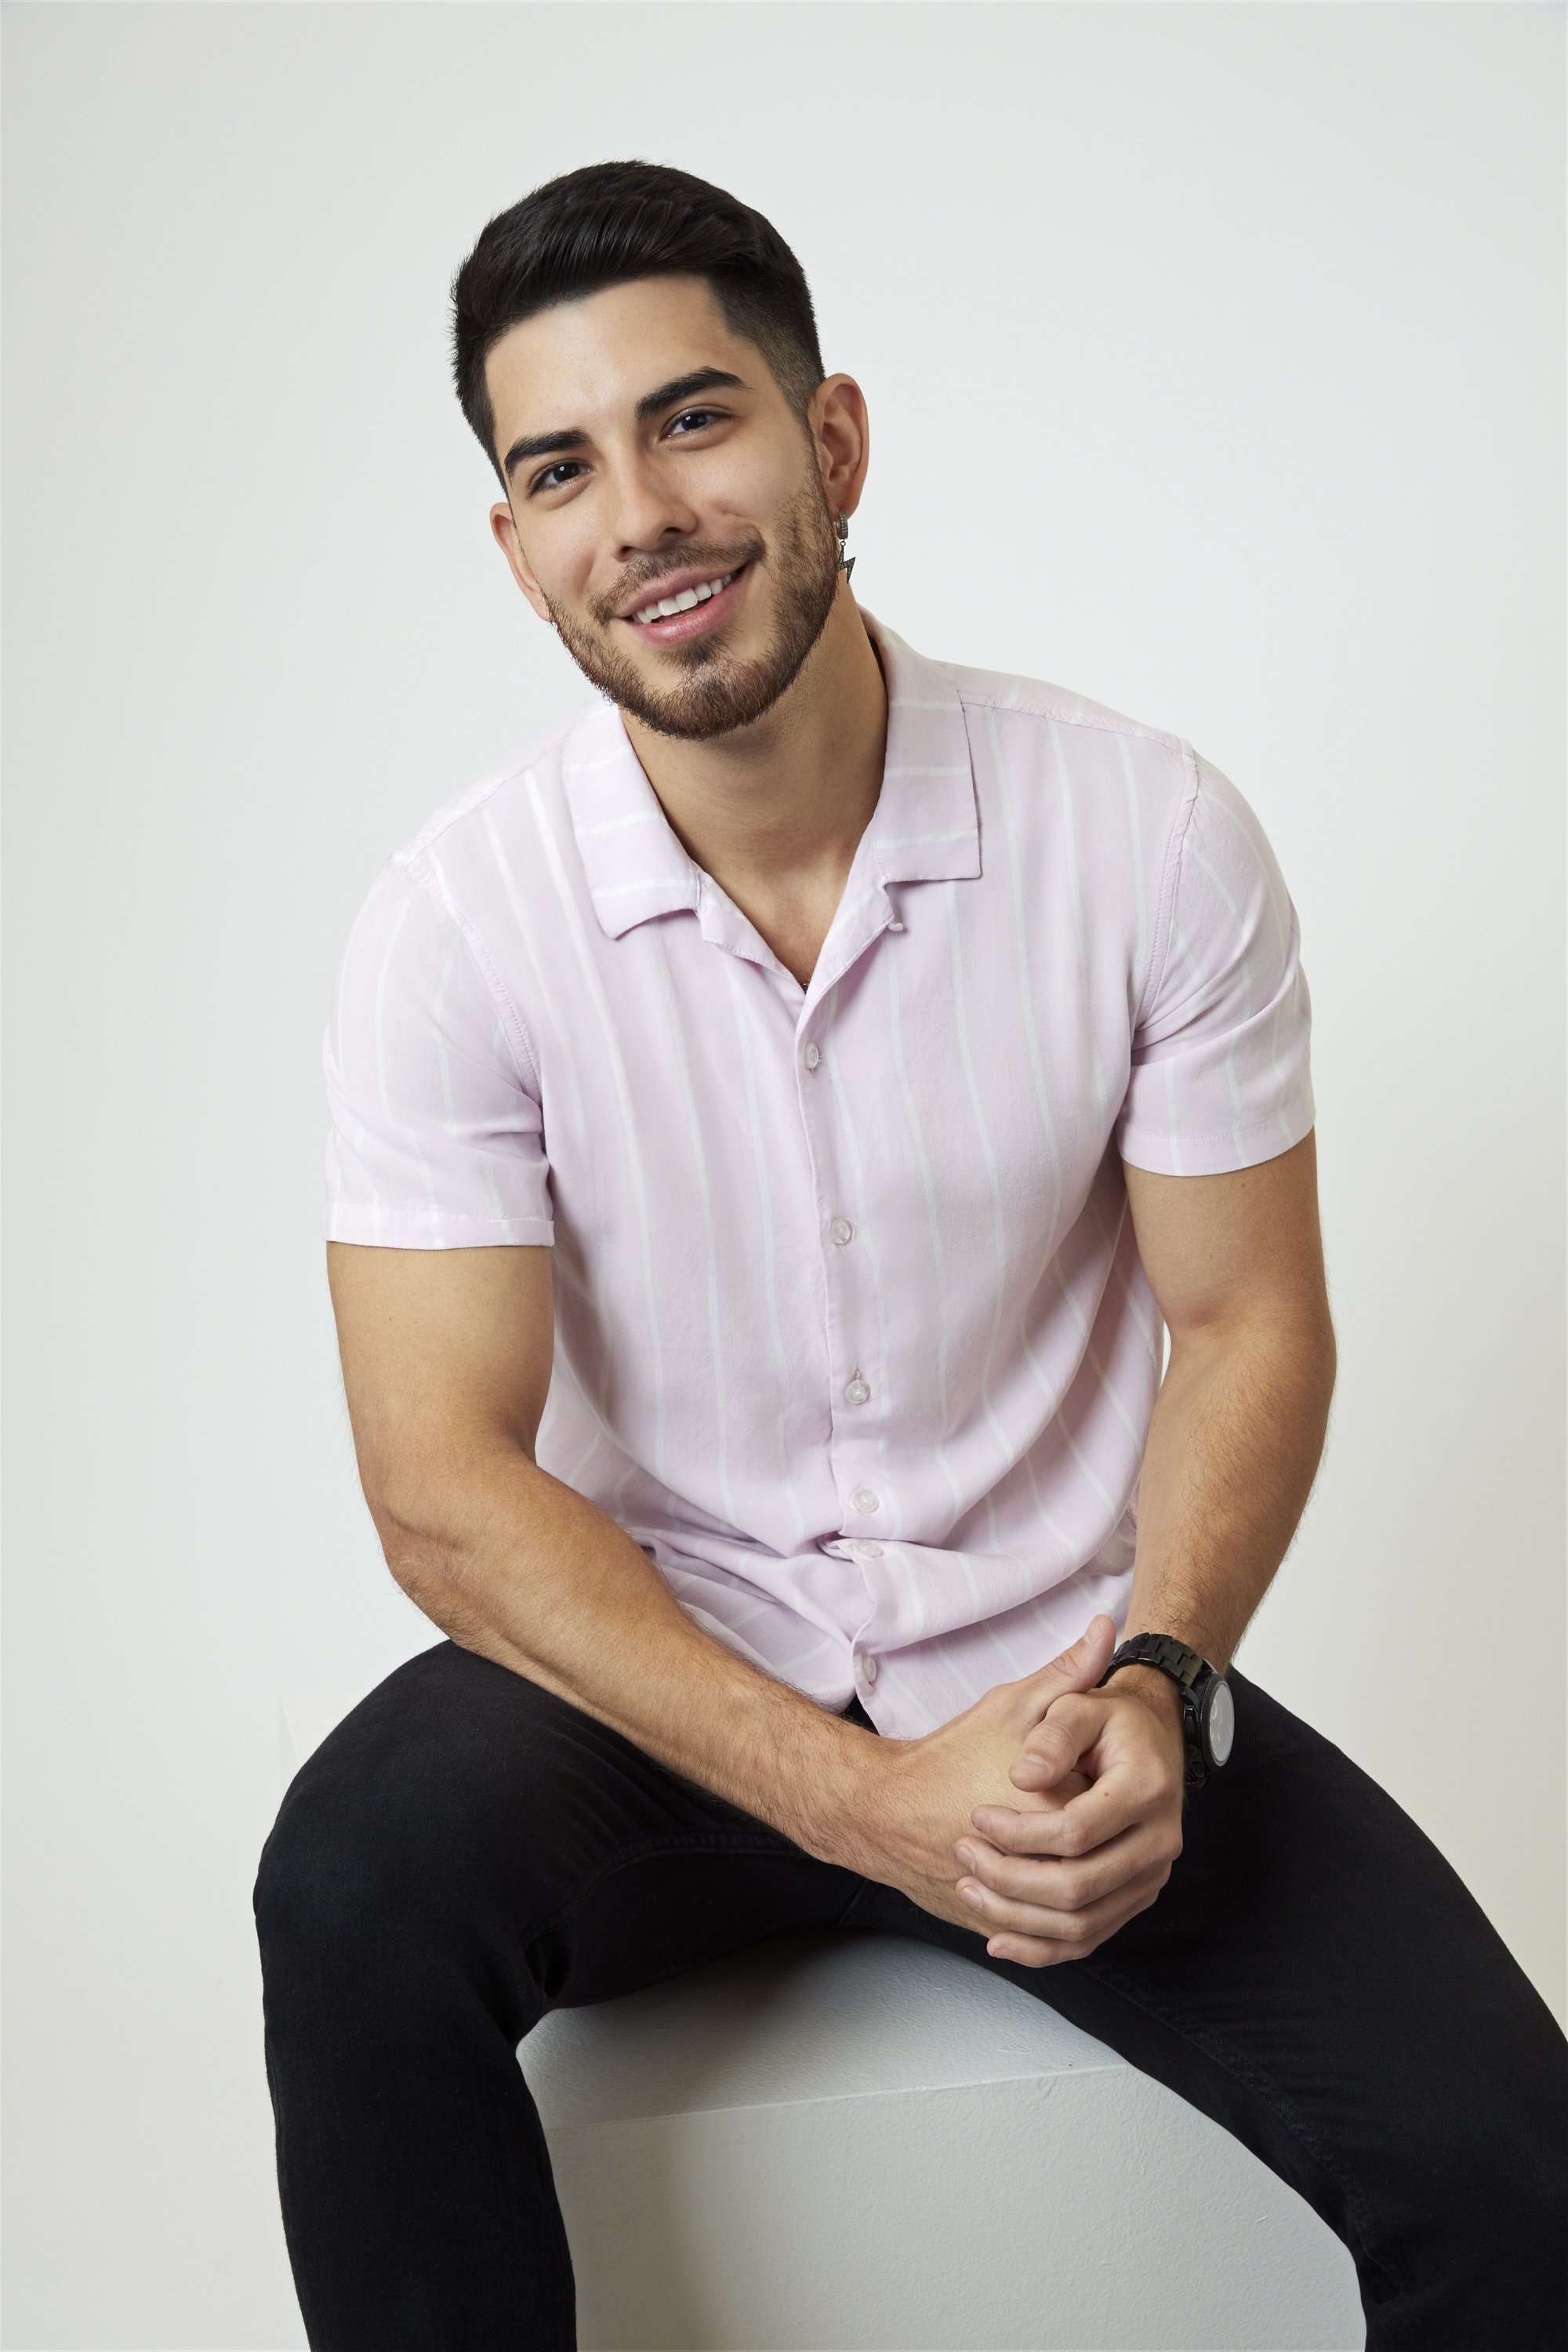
x,y
922,1793
1053,1884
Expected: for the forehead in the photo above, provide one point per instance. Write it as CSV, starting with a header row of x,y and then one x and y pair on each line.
x,y
590,360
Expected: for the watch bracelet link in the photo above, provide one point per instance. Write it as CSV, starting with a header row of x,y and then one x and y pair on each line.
x,y
1168,1656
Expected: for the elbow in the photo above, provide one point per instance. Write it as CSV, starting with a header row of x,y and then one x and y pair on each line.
x,y
424,1560
432,1530
420,1522
1321,1350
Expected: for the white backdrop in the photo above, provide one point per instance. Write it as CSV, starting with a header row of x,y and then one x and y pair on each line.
x,y
1214,356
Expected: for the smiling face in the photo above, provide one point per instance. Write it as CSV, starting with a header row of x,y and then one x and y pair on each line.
x,y
650,455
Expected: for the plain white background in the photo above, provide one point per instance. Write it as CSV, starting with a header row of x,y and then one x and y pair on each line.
x,y
1214,356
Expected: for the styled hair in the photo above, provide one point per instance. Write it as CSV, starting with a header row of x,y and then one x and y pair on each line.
x,y
605,225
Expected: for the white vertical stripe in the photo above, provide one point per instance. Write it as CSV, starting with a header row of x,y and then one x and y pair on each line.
x,y
732,969
694,1128
614,1061
865,1225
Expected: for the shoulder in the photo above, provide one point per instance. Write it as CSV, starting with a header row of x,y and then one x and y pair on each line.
x,y
1055,756
1033,729
1037,703
513,805
476,857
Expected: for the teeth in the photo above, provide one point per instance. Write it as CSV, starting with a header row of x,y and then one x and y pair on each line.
x,y
688,597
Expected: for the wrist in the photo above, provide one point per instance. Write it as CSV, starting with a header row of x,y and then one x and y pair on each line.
x,y
858,1808
1158,1692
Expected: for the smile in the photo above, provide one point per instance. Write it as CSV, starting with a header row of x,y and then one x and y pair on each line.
x,y
690,612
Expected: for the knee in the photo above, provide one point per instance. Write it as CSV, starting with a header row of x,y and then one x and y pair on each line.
x,y
356,1858
331,1880
404,1832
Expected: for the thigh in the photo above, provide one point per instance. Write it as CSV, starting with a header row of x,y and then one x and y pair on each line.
x,y
462,1805
1317,1978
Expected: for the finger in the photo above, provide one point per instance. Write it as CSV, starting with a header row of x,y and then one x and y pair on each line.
x,y
1027,1952
1069,1885
1107,1807
1073,1928
1072,1723
1077,1668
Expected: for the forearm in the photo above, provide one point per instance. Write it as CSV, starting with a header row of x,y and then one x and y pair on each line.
x,y
1234,1445
521,1569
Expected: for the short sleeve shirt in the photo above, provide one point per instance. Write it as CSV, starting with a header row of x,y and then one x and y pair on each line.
x,y
852,1333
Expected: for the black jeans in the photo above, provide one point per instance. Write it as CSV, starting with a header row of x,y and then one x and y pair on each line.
x,y
466,1852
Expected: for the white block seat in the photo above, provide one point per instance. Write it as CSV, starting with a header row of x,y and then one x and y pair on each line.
x,y
850,2139
830,2142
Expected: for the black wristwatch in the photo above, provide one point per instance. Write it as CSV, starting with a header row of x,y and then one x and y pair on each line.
x,y
1208,1710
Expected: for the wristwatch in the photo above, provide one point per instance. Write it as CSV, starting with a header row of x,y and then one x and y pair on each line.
x,y
1208,1710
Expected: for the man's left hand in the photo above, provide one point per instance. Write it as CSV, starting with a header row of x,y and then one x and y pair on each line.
x,y
1052,1885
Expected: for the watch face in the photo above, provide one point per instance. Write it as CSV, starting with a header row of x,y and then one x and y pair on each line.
x,y
1220,1724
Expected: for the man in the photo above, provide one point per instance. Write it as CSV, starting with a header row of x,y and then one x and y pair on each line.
x,y
770,1126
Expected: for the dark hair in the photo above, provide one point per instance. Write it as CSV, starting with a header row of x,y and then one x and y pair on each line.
x,y
607,223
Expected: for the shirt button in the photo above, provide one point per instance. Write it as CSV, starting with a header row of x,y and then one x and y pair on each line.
x,y
812,1056
868,1551
895,927
864,1499
840,1229
868,1669
857,1393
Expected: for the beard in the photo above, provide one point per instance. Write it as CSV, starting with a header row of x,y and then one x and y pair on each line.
x,y
718,692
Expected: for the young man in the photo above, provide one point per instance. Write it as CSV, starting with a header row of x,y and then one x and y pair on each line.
x,y
770,1126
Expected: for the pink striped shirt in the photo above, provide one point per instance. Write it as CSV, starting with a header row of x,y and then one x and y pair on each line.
x,y
852,1334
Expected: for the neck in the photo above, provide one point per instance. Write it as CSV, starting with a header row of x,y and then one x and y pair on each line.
x,y
776,808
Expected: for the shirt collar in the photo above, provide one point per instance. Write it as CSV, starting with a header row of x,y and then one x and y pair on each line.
x,y
924,828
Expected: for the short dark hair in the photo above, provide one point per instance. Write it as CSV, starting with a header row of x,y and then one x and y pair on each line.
x,y
605,225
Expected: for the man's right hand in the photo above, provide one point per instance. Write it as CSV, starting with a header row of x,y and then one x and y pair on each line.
x,y
926,1789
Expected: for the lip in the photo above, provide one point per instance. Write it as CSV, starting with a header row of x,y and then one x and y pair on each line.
x,y
680,628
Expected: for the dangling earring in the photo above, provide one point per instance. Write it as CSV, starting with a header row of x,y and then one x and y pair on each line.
x,y
846,567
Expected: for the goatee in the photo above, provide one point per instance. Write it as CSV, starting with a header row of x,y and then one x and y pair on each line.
x,y
720,693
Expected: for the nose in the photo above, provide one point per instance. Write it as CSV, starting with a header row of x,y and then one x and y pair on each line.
x,y
650,512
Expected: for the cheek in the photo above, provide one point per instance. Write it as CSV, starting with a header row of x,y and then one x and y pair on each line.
x,y
745,494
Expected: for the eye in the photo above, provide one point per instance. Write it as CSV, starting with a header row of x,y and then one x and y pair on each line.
x,y
703,417
566,466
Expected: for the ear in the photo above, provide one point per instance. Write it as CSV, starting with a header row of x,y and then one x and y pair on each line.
x,y
505,530
842,433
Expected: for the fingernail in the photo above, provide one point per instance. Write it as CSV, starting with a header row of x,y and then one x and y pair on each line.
x,y
966,1856
971,1895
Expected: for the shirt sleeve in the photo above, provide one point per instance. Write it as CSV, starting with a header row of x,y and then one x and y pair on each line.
x,y
437,1135
1221,1071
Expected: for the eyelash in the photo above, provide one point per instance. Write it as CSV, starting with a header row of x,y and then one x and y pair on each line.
x,y
543,482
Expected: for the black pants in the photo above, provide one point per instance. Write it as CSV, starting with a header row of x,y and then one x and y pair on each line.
x,y
466,1852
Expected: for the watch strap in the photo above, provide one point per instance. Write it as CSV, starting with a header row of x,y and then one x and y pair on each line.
x,y
1187,1669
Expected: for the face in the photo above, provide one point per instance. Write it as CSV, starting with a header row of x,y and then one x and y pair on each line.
x,y
651,455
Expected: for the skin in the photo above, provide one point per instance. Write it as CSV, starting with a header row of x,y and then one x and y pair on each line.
x,y
772,808
1048,1814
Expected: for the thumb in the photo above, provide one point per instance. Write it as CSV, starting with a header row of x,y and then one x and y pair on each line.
x,y
1077,1668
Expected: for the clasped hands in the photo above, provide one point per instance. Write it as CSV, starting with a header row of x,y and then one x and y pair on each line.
x,y
1080,1818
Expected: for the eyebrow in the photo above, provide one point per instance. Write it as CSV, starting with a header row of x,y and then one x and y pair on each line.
x,y
680,387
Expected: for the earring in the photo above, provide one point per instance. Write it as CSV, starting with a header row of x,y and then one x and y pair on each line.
x,y
846,568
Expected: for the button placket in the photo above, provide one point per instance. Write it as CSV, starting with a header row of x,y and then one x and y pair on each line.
x,y
850,1388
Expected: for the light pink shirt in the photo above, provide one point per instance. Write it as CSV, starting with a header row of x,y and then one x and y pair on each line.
x,y
852,1334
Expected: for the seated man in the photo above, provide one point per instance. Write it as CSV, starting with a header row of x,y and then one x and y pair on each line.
x,y
774,1127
